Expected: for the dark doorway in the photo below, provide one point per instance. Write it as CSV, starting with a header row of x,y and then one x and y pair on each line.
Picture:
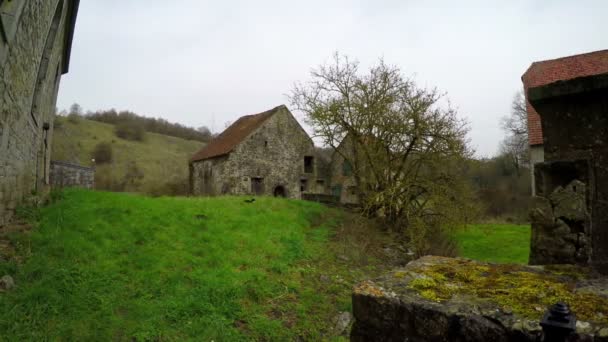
x,y
257,185
309,164
303,185
279,191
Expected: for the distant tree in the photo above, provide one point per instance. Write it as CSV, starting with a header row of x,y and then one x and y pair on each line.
x,y
75,109
102,153
515,125
205,132
407,149
130,130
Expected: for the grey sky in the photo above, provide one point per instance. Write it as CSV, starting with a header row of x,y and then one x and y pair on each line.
x,y
208,62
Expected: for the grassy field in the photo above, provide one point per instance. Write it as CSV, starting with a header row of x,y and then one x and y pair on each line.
x,y
501,243
109,266
161,158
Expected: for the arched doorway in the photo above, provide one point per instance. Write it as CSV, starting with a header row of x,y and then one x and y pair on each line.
x,y
279,191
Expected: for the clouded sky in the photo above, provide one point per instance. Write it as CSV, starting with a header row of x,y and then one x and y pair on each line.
x,y
201,62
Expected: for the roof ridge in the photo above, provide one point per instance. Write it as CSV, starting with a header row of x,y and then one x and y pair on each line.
x,y
234,134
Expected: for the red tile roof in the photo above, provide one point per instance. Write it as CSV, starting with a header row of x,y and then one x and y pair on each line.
x,y
233,135
560,69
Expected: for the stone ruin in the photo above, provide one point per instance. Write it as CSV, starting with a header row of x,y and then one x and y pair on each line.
x,y
570,210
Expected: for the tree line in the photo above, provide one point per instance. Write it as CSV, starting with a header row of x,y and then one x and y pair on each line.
x,y
133,123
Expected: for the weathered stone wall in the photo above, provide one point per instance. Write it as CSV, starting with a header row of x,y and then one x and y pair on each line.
x,y
574,117
273,153
32,60
446,299
343,184
71,175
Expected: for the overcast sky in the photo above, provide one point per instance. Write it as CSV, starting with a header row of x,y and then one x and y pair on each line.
x,y
208,62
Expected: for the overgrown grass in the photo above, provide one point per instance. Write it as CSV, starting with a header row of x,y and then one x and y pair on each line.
x,y
501,243
161,158
108,266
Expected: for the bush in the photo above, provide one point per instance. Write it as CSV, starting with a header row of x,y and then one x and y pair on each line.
x,y
130,130
74,118
176,187
102,153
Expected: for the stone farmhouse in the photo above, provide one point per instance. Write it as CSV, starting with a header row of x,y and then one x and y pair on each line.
x,y
262,154
35,44
549,71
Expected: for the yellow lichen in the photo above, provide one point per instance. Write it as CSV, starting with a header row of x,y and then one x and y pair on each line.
x,y
525,292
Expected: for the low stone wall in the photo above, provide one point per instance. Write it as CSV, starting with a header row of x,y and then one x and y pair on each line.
x,y
447,299
67,175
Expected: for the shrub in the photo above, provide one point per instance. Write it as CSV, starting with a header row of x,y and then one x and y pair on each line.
x,y
102,153
175,187
133,177
74,118
130,130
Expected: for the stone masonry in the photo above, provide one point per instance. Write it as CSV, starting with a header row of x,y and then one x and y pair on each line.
x,y
35,43
570,213
71,175
262,154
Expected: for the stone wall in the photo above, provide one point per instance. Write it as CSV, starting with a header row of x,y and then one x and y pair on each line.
x,y
570,213
34,53
446,299
71,175
273,155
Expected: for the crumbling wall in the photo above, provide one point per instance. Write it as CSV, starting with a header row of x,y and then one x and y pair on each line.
x,y
573,180
71,175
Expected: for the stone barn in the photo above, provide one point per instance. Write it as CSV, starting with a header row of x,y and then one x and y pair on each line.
x,y
35,44
262,154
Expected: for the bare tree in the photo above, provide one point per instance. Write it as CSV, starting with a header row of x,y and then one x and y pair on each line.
x,y
406,149
515,144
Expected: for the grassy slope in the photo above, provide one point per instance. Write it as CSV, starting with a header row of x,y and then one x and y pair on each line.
x,y
502,243
161,158
109,266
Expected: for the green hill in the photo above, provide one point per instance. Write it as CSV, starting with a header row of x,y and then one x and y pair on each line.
x,y
157,165
104,266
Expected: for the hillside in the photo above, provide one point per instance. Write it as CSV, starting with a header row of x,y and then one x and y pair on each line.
x,y
162,160
124,267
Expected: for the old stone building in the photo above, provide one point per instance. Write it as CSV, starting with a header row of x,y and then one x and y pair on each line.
x,y
262,154
545,72
570,209
35,44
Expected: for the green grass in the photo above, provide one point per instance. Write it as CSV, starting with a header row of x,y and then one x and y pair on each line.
x,y
161,158
501,243
109,266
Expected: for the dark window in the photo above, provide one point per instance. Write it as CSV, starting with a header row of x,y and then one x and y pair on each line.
x,y
266,143
347,168
320,182
336,190
308,164
352,190
257,185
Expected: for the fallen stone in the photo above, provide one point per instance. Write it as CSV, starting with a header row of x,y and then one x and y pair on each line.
x,y
6,283
343,321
